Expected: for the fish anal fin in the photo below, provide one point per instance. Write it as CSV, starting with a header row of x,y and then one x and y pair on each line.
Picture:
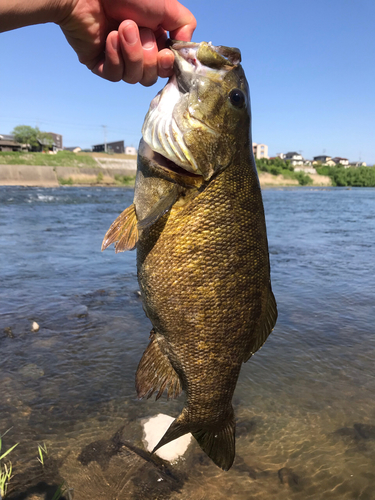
x,y
265,328
123,231
155,373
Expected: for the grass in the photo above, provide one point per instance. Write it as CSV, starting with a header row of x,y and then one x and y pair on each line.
x,y
60,159
42,450
279,167
352,176
125,180
62,490
5,470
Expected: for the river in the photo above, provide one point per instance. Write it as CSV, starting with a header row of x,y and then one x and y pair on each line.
x,y
305,404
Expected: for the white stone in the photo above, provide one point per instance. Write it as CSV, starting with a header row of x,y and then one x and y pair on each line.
x,y
35,327
154,429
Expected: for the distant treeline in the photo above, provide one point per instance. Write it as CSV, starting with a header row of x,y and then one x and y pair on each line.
x,y
352,176
277,166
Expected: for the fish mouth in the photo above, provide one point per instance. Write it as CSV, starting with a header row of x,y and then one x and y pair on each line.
x,y
167,168
169,116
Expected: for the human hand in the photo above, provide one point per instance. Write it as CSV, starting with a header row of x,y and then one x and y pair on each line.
x,y
125,39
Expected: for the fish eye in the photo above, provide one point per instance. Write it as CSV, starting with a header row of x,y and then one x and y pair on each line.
x,y
237,98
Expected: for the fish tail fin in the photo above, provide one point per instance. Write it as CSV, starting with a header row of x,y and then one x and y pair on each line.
x,y
219,445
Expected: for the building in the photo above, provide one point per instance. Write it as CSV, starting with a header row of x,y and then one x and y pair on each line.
x,y
294,158
343,161
7,143
57,140
74,149
260,150
358,164
111,147
130,150
324,160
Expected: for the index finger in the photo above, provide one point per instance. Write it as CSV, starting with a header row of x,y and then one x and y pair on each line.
x,y
179,21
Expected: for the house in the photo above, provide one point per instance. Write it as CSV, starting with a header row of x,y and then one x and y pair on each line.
x,y
260,150
45,145
358,164
130,150
294,158
324,160
57,139
10,145
110,147
342,161
74,149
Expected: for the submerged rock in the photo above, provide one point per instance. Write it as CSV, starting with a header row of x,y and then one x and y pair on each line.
x,y
31,371
154,429
288,477
35,327
8,332
115,468
365,431
79,312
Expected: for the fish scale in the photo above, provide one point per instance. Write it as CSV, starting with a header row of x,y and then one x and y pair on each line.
x,y
202,252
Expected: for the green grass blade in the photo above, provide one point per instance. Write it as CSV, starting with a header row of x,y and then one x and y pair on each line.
x,y
8,451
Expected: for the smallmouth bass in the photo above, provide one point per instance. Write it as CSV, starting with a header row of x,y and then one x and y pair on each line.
x,y
198,224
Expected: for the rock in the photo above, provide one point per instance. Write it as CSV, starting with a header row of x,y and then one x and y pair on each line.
x,y
8,332
79,312
154,429
288,477
114,468
245,427
31,371
241,466
365,431
35,327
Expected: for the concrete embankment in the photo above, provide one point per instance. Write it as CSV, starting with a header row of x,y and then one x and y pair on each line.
x,y
46,176
27,175
105,174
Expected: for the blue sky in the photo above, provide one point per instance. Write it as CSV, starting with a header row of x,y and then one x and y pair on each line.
x,y
310,66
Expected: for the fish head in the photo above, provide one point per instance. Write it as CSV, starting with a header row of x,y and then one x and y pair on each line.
x,y
201,118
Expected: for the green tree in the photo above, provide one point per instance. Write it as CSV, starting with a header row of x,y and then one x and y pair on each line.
x,y
26,135
46,140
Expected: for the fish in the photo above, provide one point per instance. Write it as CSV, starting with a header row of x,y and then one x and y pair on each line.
x,y
197,222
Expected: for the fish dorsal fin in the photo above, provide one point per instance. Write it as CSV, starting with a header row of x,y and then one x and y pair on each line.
x,y
160,208
265,328
123,231
155,372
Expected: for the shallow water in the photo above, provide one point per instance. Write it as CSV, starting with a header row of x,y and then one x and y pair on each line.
x,y
305,403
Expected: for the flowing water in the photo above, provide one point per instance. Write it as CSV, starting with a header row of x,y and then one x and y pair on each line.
x,y
305,404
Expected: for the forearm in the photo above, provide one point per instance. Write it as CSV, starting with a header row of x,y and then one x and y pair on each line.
x,y
17,13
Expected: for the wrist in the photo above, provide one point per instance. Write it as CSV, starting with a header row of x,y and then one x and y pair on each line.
x,y
18,13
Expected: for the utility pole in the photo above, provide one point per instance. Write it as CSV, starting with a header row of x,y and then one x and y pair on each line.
x,y
105,137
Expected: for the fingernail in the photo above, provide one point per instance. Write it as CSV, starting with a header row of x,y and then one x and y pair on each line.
x,y
131,34
166,62
114,42
147,39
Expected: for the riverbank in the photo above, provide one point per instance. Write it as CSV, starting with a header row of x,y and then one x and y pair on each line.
x,y
108,172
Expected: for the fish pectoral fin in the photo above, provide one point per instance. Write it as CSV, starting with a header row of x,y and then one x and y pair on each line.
x,y
160,208
155,373
219,445
265,328
123,231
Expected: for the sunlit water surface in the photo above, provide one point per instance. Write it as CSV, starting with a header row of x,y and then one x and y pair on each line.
x,y
305,404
